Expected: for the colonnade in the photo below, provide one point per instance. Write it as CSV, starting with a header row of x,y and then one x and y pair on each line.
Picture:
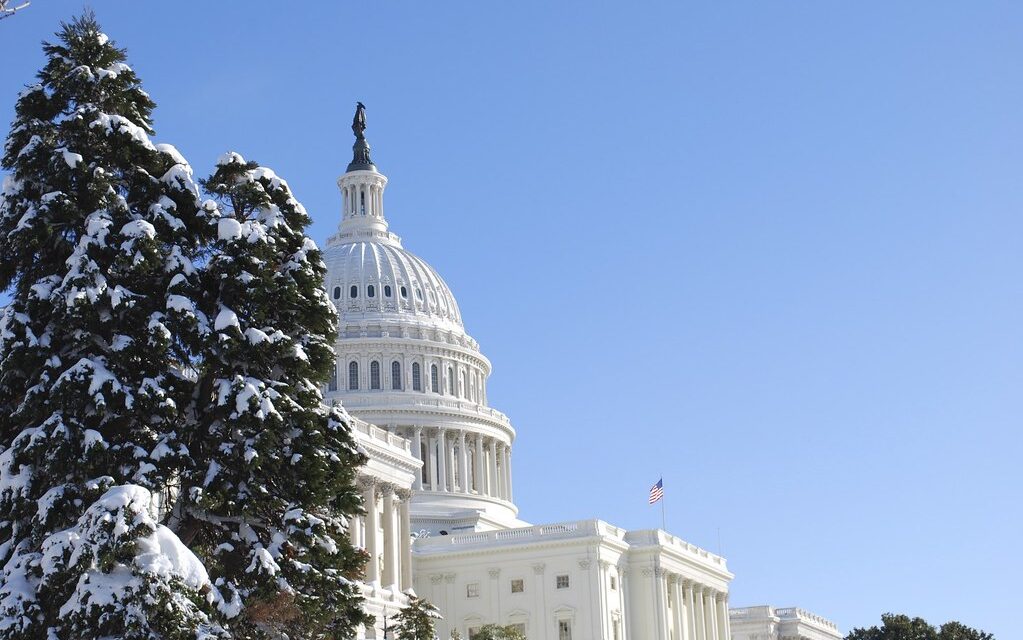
x,y
460,461
683,609
384,533
698,612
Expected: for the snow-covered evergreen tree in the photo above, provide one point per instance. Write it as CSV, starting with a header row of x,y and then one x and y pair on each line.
x,y
98,230
416,621
267,509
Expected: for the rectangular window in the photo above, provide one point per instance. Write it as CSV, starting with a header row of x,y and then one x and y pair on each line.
x,y
564,630
614,583
561,582
332,383
472,590
518,586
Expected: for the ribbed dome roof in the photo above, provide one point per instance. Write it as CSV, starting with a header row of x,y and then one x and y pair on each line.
x,y
386,279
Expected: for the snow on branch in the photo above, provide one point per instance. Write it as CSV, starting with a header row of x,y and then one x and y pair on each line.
x,y
6,11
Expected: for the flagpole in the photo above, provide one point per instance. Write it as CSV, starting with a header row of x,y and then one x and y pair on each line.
x,y
663,525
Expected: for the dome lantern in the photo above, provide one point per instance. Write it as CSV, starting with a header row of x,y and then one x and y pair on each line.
x,y
362,193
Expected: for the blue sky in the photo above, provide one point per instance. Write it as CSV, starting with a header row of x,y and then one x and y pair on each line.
x,y
770,250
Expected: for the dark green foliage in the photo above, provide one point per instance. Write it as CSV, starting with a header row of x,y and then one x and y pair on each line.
x,y
902,627
98,229
265,509
497,632
416,620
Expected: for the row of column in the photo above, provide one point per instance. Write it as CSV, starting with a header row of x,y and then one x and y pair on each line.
x,y
361,199
683,609
699,612
457,461
385,534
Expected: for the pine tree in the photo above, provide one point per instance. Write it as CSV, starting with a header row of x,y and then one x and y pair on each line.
x,y
98,231
267,510
416,619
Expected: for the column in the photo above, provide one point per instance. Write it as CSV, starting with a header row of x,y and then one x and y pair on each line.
x,y
477,464
660,602
602,593
690,611
724,630
431,454
463,462
492,489
681,621
508,473
710,615
452,466
405,539
623,574
701,625
353,531
499,469
369,498
442,456
390,544
417,451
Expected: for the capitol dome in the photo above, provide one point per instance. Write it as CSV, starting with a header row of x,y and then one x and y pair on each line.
x,y
406,363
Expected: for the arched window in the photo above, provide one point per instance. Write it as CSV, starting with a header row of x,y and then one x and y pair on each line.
x,y
353,292
461,386
371,291
396,375
337,292
404,292
374,375
417,377
387,291
451,381
362,202
434,379
332,383
353,376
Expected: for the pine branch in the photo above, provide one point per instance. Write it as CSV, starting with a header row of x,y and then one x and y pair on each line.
x,y
7,12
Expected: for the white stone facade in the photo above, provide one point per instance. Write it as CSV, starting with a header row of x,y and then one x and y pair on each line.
x,y
575,580
785,623
440,471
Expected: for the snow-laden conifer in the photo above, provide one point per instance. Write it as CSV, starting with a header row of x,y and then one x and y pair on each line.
x,y
267,508
417,619
99,227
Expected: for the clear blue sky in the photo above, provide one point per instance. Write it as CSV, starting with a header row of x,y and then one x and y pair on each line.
x,y
772,250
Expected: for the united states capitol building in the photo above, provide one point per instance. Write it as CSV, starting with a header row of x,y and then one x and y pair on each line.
x,y
438,488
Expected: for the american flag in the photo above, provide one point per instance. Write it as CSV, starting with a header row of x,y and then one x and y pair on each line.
x,y
656,491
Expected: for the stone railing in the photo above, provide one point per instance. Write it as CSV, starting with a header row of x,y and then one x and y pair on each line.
x,y
795,613
561,530
373,432
407,400
763,611
660,537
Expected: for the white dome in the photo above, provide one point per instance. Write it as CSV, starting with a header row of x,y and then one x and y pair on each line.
x,y
367,280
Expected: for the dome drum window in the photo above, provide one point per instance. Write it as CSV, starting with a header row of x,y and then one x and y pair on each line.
x,y
353,292
353,376
337,292
374,375
396,376
434,379
371,291
417,377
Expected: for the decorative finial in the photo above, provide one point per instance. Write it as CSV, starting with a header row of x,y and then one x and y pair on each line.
x,y
360,157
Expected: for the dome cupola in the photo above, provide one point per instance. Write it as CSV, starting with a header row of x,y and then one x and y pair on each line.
x,y
406,363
